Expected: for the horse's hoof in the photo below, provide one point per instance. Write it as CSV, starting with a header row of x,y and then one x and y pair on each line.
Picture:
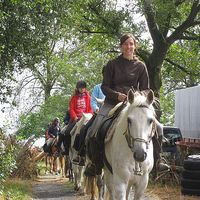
x,y
76,188
93,198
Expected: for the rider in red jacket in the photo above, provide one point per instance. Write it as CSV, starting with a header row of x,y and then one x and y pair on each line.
x,y
79,104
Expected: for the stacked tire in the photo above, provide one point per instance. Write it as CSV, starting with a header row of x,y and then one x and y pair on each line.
x,y
190,181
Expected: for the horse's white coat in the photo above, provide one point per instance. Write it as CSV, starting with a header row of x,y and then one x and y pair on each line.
x,y
119,154
78,170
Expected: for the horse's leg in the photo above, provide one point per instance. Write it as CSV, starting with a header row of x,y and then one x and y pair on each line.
x,y
128,191
50,164
76,187
71,172
141,187
55,166
46,164
66,166
120,188
62,165
93,188
100,185
108,185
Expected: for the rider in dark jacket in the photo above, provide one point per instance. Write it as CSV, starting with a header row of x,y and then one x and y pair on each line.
x,y
52,132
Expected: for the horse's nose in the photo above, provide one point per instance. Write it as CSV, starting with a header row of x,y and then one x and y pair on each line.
x,y
140,155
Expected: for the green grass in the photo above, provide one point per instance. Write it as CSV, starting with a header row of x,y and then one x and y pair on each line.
x,y
17,190
41,167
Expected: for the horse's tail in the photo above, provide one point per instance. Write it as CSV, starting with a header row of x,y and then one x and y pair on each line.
x,y
91,186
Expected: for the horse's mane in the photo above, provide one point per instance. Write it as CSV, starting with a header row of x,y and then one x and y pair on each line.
x,y
140,100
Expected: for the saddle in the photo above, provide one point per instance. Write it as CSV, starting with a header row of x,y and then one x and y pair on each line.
x,y
79,141
48,148
95,146
106,124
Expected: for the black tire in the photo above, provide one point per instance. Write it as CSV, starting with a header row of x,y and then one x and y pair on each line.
x,y
191,164
191,174
186,191
190,184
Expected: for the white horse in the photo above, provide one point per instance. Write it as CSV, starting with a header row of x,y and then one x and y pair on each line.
x,y
78,170
130,151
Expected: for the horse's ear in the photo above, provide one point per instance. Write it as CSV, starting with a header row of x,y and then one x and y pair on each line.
x,y
150,96
130,96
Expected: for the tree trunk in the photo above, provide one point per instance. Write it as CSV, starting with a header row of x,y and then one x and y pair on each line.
x,y
154,64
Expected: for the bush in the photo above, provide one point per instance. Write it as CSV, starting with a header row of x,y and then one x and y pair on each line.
x,y
7,160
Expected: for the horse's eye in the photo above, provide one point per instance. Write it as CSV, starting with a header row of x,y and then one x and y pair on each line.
x,y
150,121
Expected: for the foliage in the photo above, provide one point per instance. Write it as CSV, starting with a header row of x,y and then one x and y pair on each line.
x,y
181,67
29,32
63,41
180,70
167,104
7,161
36,123
16,189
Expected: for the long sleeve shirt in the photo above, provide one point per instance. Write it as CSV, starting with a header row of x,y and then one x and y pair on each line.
x,y
120,74
96,94
79,104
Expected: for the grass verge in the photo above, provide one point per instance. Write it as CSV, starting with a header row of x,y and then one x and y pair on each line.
x,y
16,189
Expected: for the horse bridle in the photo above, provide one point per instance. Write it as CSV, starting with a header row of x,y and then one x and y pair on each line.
x,y
131,140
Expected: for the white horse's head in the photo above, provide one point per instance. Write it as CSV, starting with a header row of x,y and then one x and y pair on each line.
x,y
141,123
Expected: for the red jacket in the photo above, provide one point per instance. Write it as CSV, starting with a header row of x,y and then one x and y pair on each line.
x,y
80,103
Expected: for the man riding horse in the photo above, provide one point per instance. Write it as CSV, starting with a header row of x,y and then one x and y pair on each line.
x,y
51,134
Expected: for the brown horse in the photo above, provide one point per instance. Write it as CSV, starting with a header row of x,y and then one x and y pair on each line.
x,y
54,162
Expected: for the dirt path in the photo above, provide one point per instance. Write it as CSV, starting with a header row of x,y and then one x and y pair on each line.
x,y
52,187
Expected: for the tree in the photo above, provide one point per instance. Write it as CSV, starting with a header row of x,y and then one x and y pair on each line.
x,y
67,40
168,22
30,36
35,123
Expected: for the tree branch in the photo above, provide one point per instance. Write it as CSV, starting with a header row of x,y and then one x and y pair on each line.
x,y
149,15
189,22
189,38
181,67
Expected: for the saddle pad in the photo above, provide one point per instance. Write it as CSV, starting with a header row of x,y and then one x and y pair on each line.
x,y
110,131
